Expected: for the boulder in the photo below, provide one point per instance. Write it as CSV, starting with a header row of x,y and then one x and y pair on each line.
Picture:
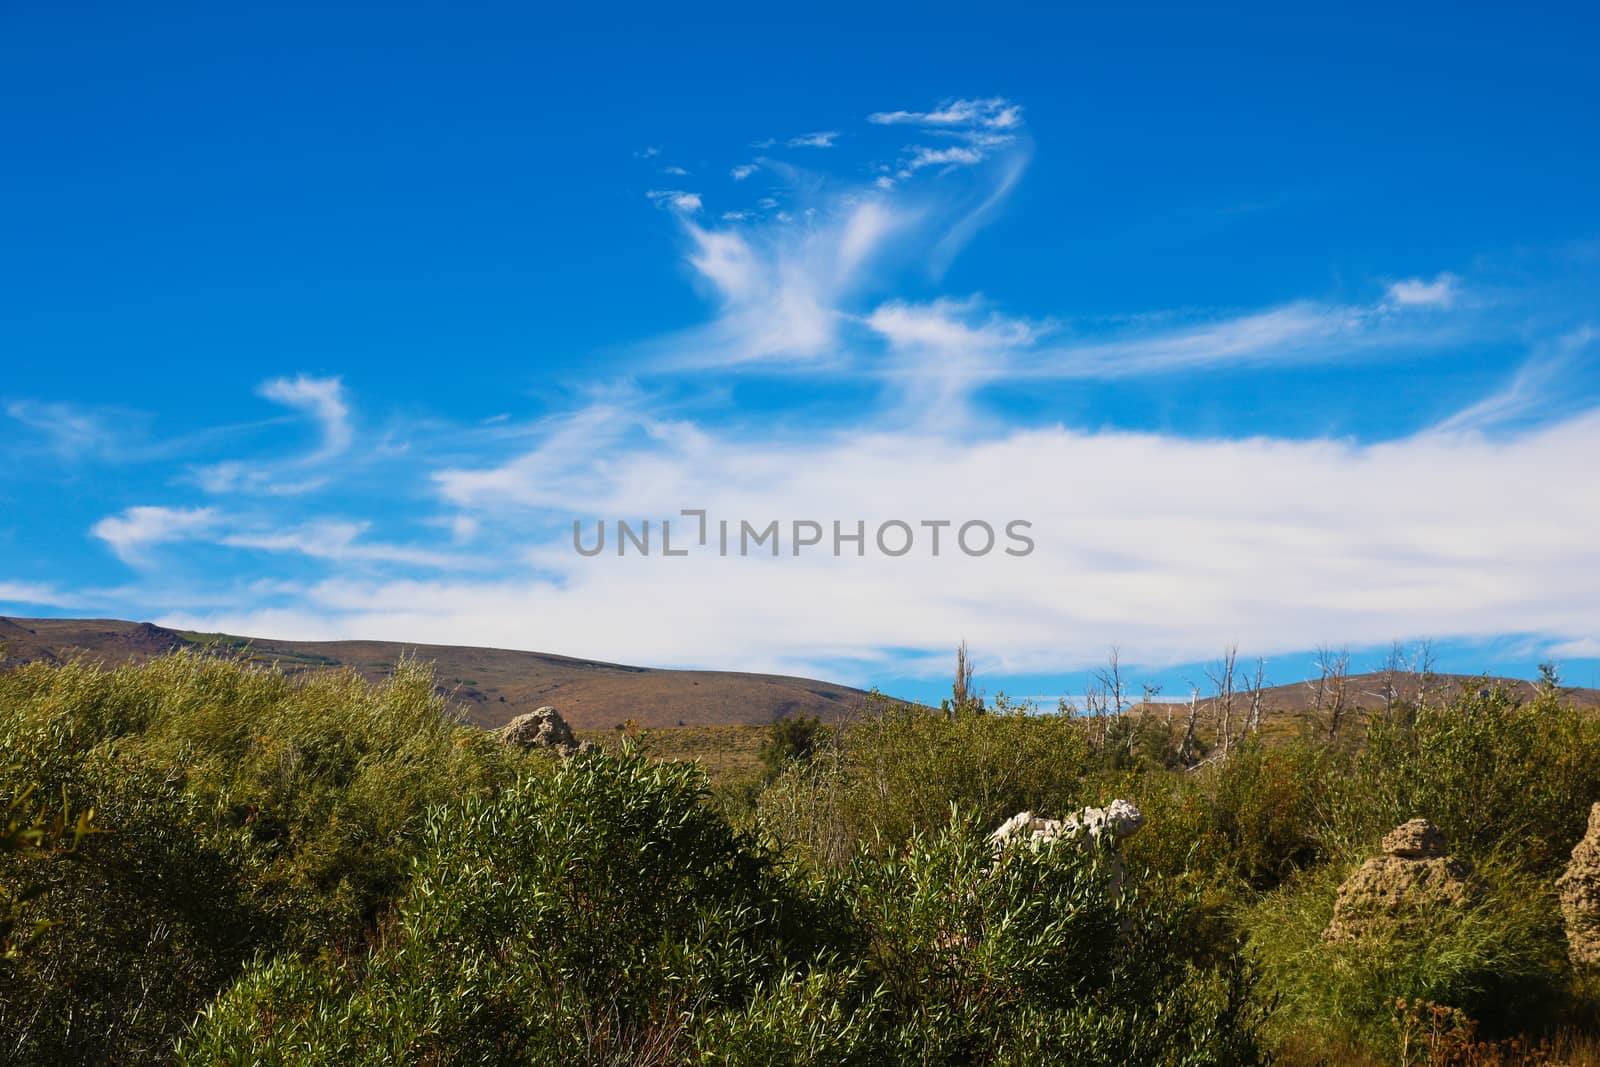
x,y
1412,876
1579,891
542,728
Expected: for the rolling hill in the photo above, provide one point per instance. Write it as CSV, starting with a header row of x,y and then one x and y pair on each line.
x,y
492,685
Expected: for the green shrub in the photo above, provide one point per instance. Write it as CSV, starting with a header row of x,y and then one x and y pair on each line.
x,y
241,811
1502,962
292,870
792,739
1031,958
589,917
1494,774
1271,807
896,772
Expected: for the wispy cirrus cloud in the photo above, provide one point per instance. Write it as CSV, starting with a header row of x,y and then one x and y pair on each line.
x,y
138,529
68,430
321,398
1531,387
37,594
324,401
991,113
135,531
795,270
819,139
340,542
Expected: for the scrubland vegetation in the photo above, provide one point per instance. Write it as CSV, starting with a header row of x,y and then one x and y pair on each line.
x,y
207,862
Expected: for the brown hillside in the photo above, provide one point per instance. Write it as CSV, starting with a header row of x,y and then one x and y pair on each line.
x,y
492,685
1369,692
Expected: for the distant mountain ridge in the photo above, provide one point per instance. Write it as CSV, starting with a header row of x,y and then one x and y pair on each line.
x,y
495,685
492,685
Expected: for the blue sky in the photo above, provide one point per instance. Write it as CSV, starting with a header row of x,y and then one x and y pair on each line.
x,y
1279,327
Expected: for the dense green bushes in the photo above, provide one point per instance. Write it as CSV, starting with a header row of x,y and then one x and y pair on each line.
x,y
242,812
1502,963
294,871
605,915
1495,775
899,769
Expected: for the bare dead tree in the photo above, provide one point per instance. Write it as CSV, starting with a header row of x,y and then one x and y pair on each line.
x,y
1422,665
1333,670
1111,682
1255,686
1186,748
1113,692
1394,668
1094,710
1319,687
1223,679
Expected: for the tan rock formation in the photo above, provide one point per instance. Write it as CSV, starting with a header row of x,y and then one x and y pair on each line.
x,y
1579,890
1413,875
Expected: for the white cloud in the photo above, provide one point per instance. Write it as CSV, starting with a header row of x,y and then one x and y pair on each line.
x,y
996,347
676,172
135,530
743,171
34,593
1310,540
819,139
676,199
993,113
788,279
1582,648
70,431
936,157
1414,292
139,528
780,287
983,126
1531,389
322,399
337,541
947,325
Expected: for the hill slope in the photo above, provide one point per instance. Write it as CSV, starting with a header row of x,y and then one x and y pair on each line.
x,y
492,685
495,685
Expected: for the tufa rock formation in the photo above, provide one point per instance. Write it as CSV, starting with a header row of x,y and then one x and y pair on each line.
x,y
1418,839
1412,875
1120,819
543,728
1579,890
1086,829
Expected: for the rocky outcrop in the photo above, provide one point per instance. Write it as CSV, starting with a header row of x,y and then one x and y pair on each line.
x,y
1579,890
1118,820
1415,874
543,728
